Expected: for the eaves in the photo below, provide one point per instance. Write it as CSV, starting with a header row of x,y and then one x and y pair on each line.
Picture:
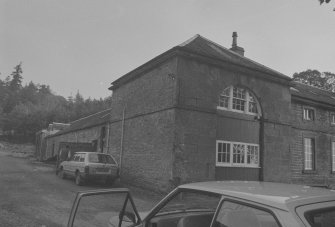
x,y
312,102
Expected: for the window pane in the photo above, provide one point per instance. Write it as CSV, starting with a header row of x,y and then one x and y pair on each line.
x,y
308,114
252,104
252,155
238,93
219,152
238,215
322,217
224,98
239,99
332,118
238,153
238,104
224,101
333,156
309,153
186,201
223,152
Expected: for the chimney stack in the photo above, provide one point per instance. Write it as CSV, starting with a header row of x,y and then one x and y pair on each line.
x,y
234,47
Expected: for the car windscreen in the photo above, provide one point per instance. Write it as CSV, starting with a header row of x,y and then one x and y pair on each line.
x,y
101,158
321,217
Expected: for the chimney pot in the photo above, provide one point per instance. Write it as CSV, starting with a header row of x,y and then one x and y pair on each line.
x,y
234,39
234,47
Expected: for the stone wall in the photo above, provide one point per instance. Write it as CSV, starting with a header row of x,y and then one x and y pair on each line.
x,y
81,136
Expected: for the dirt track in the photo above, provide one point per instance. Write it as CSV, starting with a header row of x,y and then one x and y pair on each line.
x,y
32,195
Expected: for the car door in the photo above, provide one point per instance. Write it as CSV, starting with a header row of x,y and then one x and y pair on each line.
x,y
104,208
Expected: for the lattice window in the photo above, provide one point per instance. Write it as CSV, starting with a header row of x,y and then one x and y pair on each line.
x,y
238,100
237,154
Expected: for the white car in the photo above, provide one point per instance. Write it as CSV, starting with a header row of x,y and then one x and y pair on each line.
x,y
85,166
211,204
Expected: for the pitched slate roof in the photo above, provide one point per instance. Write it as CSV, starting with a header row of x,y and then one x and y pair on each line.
x,y
306,92
207,48
86,122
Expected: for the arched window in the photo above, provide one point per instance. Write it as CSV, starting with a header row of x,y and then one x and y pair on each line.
x,y
239,100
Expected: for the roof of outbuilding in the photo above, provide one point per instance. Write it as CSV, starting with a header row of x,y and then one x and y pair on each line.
x,y
312,93
86,122
204,47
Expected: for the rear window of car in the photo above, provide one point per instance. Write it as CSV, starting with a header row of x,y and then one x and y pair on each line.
x,y
101,158
321,217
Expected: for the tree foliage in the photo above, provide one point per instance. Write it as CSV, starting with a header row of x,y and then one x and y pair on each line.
x,y
325,1
324,80
26,109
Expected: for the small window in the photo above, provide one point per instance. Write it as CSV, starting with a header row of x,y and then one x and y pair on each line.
x,y
236,214
82,158
309,154
332,118
237,154
76,158
309,114
333,157
101,158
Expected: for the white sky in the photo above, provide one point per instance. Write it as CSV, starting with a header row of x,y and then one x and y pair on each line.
x,y
84,45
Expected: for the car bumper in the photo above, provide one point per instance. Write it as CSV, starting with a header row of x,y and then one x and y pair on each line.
x,y
99,176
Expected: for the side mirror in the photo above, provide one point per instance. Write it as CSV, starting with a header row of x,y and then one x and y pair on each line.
x,y
128,217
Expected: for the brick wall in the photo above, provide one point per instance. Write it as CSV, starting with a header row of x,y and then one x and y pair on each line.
x,y
148,103
200,124
323,133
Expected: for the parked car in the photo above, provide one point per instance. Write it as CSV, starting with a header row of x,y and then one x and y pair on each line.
x,y
85,166
211,204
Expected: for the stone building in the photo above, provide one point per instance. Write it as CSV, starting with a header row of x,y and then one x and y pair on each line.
x,y
200,111
92,130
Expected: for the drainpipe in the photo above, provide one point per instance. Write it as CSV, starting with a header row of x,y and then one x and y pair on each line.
x,y
107,136
122,136
261,148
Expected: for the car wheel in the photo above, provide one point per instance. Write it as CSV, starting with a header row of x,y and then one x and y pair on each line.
x,y
78,180
61,173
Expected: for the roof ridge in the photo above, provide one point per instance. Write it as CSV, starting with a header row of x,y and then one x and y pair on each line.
x,y
189,40
240,56
89,116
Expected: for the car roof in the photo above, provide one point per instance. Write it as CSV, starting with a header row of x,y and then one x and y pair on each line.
x,y
279,195
87,152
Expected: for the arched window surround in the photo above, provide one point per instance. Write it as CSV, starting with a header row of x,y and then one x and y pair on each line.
x,y
239,99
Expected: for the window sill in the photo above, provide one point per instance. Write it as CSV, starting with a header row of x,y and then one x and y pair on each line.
x,y
237,166
237,111
309,172
236,115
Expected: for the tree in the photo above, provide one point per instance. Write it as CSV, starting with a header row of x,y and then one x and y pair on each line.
x,y
325,1
16,82
324,80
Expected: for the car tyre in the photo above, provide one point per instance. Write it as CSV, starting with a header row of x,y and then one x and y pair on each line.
x,y
61,173
78,179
